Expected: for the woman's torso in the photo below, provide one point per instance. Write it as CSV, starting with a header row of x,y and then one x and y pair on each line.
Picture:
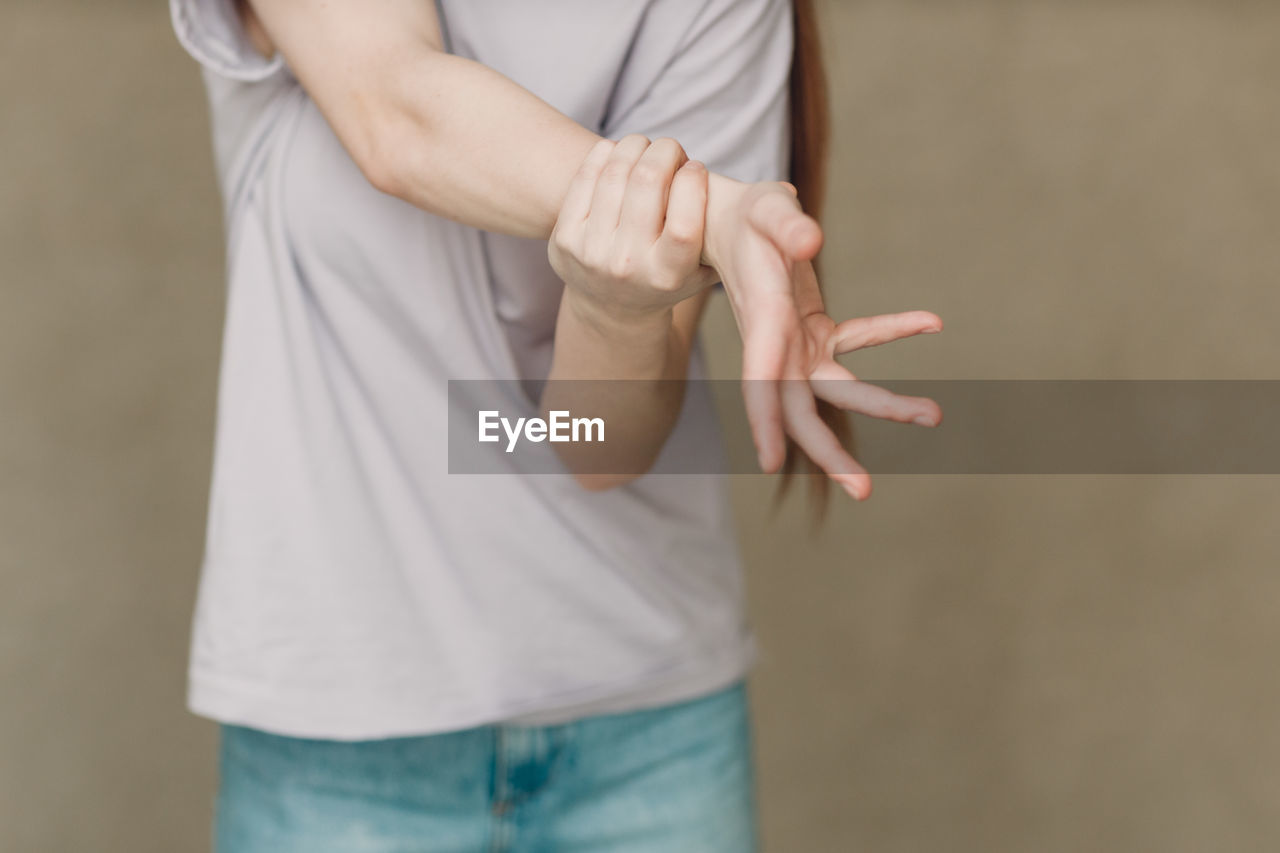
x,y
352,586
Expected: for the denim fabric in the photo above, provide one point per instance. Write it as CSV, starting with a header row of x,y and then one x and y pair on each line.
x,y
676,779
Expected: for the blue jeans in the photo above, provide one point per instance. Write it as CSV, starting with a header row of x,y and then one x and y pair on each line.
x,y
676,779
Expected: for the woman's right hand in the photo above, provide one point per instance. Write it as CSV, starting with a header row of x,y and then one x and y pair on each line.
x,y
628,241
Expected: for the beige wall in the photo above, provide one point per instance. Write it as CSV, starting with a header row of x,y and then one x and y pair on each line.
x,y
1082,189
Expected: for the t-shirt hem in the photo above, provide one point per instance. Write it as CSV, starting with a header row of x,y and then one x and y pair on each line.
x,y
305,713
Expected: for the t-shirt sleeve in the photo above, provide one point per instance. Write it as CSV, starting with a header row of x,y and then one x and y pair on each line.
x,y
211,31
723,92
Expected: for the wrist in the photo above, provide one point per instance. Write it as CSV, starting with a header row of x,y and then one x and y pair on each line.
x,y
615,323
724,198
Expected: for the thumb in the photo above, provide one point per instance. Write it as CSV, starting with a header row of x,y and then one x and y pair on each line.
x,y
776,213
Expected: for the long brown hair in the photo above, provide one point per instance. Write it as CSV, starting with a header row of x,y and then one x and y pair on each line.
x,y
810,150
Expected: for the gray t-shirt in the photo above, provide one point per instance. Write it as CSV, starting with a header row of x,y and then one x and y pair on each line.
x,y
353,588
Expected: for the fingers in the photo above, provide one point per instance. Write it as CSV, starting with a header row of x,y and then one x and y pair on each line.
x,y
764,413
776,213
763,355
854,395
862,332
686,216
611,187
644,207
577,201
817,440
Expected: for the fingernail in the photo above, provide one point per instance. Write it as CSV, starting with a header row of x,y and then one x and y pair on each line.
x,y
850,491
932,331
693,165
925,420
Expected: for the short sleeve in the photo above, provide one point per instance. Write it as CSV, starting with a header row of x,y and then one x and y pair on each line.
x,y
210,30
722,92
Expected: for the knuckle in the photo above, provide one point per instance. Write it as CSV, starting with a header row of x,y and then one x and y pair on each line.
x,y
647,174
593,258
563,242
670,148
682,234
596,160
621,266
615,172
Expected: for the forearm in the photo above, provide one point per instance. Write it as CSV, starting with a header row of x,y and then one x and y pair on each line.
x,y
442,132
462,141
625,371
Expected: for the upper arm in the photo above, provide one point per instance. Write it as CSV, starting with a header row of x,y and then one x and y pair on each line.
x,y
354,58
254,31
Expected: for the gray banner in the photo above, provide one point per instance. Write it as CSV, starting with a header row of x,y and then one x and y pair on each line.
x,y
989,427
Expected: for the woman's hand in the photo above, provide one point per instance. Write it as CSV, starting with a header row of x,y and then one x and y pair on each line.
x,y
637,224
763,246
628,242
628,245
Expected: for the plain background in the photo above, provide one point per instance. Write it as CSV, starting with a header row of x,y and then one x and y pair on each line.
x,y
1081,189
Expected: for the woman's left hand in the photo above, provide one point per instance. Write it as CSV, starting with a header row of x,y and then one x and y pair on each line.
x,y
628,242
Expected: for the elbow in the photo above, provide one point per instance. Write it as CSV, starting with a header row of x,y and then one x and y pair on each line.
x,y
384,177
385,118
392,138
382,155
